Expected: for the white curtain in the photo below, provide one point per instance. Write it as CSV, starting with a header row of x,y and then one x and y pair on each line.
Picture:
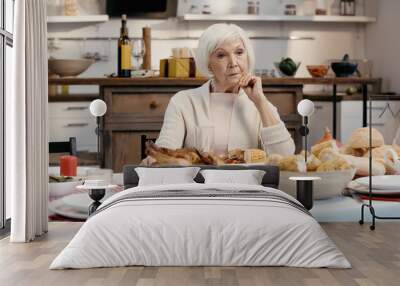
x,y
26,124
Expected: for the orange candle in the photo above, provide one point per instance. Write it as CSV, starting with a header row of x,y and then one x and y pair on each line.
x,y
68,165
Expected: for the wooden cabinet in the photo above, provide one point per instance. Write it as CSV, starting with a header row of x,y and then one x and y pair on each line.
x,y
137,111
385,117
133,112
73,119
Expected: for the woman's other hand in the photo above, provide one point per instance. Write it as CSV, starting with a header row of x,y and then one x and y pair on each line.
x,y
252,86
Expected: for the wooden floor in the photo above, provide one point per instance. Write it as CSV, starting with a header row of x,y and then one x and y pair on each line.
x,y
375,257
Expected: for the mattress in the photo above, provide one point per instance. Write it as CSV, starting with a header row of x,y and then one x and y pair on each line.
x,y
201,225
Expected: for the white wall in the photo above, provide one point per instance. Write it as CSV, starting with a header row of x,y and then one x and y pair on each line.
x,y
382,44
331,40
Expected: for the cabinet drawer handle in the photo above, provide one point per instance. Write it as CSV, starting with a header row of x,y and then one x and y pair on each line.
x,y
317,107
375,108
377,124
154,104
77,107
76,124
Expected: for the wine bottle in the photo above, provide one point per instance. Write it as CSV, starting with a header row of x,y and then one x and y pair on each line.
x,y
124,51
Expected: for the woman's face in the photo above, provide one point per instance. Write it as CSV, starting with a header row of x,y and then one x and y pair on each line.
x,y
228,62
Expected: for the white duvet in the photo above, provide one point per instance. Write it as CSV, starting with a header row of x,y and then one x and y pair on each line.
x,y
200,231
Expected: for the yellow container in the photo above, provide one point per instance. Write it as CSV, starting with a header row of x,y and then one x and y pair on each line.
x,y
178,67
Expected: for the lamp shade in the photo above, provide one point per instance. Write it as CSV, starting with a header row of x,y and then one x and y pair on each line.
x,y
98,107
305,107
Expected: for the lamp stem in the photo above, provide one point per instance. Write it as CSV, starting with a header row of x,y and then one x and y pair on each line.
x,y
305,137
98,139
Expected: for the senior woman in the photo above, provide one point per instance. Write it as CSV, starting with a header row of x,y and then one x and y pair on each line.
x,y
230,110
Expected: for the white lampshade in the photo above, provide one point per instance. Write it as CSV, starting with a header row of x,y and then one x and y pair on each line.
x,y
98,107
305,107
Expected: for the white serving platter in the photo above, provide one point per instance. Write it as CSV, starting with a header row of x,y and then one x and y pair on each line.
x,y
386,182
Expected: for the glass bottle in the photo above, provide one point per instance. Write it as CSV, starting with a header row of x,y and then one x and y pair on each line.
x,y
124,51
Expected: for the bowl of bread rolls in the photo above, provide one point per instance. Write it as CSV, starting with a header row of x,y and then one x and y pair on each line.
x,y
337,164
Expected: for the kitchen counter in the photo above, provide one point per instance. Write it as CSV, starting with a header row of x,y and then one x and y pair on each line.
x,y
314,97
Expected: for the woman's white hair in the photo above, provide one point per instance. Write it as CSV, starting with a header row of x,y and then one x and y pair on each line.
x,y
215,35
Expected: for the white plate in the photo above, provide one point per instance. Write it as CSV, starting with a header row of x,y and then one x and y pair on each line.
x,y
58,207
81,202
363,189
388,182
59,189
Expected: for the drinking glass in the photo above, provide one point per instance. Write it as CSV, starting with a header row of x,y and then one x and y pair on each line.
x,y
138,51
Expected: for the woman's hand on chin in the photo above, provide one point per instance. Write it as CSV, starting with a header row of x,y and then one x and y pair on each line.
x,y
252,86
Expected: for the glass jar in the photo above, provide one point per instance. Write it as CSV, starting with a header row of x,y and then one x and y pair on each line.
x,y
320,8
253,7
347,7
206,9
290,9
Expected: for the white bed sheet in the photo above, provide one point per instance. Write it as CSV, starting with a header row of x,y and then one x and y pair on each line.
x,y
193,231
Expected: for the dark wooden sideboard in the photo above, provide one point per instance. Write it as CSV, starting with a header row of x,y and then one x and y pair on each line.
x,y
136,107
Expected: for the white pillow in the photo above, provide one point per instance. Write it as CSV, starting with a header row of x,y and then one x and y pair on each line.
x,y
165,176
248,177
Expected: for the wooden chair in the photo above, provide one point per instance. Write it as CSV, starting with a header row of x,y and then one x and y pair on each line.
x,y
64,147
143,139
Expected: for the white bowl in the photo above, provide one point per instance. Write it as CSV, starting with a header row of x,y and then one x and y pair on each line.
x,y
69,67
59,189
331,184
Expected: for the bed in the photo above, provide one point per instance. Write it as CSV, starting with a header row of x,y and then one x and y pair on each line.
x,y
198,224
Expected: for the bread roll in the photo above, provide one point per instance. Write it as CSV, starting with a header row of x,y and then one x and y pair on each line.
x,y
316,149
328,154
361,164
379,152
335,164
358,152
294,163
274,159
312,163
360,138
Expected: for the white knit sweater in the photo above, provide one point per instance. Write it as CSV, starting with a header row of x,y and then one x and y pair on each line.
x,y
188,112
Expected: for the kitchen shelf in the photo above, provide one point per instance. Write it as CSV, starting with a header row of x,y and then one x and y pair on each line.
x,y
78,19
278,18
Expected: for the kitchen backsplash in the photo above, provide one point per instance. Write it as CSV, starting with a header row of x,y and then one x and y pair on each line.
x,y
320,45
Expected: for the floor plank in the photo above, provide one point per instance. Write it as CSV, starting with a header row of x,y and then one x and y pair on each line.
x,y
374,255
